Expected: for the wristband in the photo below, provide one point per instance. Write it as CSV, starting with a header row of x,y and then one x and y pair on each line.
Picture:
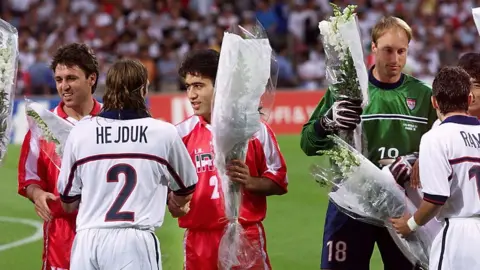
x,y
412,224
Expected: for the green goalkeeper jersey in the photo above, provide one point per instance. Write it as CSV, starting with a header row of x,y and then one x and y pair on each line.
x,y
397,116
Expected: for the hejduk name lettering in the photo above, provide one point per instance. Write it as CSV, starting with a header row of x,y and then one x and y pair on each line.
x,y
124,134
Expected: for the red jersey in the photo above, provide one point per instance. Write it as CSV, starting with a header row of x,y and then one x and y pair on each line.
x,y
35,167
207,207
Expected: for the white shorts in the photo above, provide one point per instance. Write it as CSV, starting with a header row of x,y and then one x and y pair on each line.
x,y
457,245
121,248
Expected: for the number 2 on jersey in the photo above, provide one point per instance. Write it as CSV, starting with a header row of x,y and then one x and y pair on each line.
x,y
114,213
474,172
214,182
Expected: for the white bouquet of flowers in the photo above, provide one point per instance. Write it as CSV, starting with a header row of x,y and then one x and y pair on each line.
x,y
246,79
346,72
49,132
366,193
8,75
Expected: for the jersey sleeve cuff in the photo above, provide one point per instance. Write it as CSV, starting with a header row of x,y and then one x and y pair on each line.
x,y
185,191
280,179
319,130
69,199
23,185
435,199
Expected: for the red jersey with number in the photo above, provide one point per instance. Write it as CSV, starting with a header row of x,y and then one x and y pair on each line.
x,y
36,167
207,206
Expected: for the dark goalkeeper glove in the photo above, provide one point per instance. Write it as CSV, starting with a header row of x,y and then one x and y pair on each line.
x,y
402,168
343,115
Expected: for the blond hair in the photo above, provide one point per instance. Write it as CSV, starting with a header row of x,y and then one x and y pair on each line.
x,y
387,23
126,86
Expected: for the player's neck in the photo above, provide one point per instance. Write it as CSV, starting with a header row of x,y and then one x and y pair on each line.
x,y
475,113
445,116
81,111
385,79
207,118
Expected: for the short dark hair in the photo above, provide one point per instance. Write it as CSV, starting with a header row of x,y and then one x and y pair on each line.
x,y
451,88
470,62
77,54
202,63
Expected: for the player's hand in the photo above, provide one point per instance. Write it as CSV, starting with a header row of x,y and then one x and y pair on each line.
x,y
177,205
400,225
343,115
239,172
41,198
402,168
415,177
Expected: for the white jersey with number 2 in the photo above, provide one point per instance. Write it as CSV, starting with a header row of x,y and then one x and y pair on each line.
x,y
450,177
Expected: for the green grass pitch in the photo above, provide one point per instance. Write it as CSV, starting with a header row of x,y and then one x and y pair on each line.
x,y
294,222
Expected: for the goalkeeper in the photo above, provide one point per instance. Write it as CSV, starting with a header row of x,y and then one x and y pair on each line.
x,y
398,115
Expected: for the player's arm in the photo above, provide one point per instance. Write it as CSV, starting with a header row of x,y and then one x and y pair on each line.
x,y
435,172
30,184
273,179
328,117
182,176
69,183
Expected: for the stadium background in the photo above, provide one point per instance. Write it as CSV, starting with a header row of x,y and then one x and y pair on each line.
x,y
160,33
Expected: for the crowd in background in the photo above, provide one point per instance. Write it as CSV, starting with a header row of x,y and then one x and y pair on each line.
x,y
160,32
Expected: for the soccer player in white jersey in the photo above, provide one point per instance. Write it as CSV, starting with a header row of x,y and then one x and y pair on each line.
x,y
450,176
117,169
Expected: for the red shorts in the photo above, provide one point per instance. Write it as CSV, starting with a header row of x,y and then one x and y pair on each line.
x,y
58,236
201,248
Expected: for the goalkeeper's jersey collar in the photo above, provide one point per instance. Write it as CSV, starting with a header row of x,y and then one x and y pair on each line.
x,y
383,85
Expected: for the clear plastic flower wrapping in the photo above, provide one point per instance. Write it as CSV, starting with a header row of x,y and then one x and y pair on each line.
x,y
48,132
243,98
8,76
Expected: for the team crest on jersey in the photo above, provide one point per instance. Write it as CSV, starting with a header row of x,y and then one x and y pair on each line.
x,y
411,103
204,162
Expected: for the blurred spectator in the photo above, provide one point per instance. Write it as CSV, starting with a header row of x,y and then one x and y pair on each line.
x,y
160,32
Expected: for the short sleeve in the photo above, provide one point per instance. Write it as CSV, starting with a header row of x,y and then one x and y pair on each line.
x,y
274,166
69,183
182,176
435,169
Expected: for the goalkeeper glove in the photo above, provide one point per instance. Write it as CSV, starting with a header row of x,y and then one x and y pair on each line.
x,y
402,168
343,115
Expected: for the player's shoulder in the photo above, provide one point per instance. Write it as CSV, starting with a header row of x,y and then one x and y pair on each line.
x,y
417,84
187,126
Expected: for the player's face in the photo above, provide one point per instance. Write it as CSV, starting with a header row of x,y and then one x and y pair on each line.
x,y
200,94
73,86
391,52
474,107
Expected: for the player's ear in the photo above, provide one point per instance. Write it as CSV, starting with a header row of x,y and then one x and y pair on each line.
x,y
374,47
471,98
434,103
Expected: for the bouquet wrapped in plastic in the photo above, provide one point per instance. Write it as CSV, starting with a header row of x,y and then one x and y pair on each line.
x,y
366,193
346,72
246,79
476,17
8,75
49,132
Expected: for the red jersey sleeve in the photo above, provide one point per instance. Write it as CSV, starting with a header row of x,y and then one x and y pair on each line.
x,y
28,165
274,166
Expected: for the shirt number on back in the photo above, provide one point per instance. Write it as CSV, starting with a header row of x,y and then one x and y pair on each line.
x,y
214,183
115,213
474,172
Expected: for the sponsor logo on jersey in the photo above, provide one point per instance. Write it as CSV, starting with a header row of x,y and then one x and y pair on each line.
x,y
204,162
411,103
